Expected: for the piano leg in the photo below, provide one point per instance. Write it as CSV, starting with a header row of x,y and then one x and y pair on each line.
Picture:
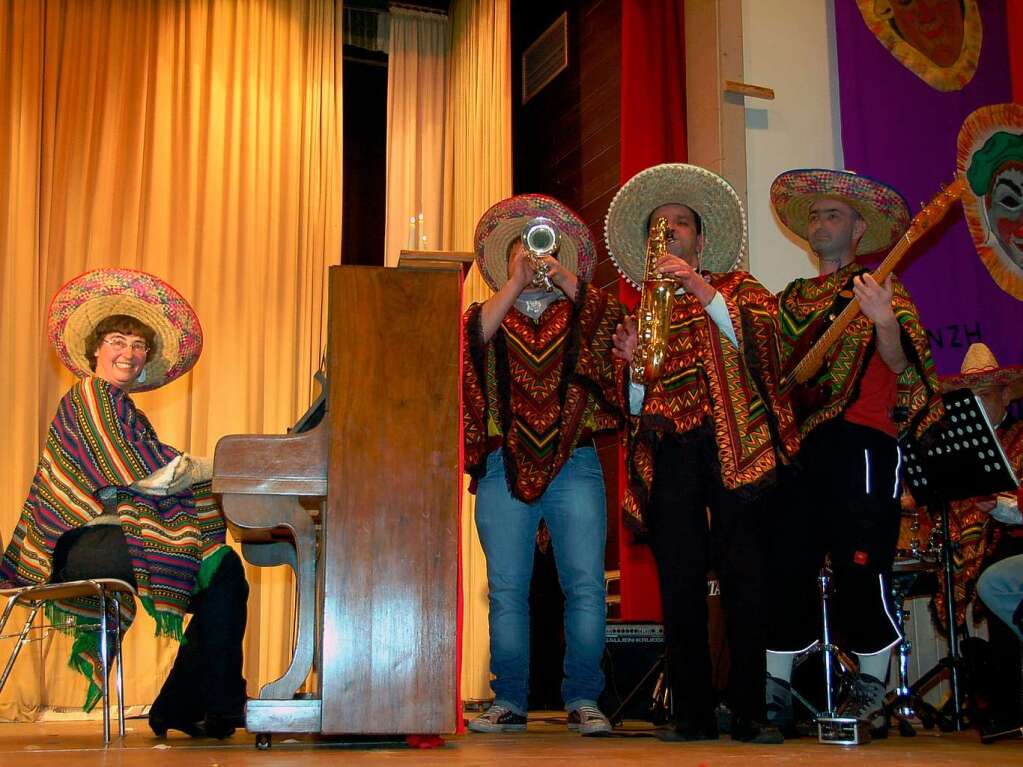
x,y
255,512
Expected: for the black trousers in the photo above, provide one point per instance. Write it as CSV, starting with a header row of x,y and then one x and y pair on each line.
x,y
687,482
207,674
843,501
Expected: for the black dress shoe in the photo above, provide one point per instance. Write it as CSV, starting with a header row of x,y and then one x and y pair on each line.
x,y
222,726
705,729
159,724
747,730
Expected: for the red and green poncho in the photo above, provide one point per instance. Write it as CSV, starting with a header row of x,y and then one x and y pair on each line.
x,y
99,439
707,379
539,388
976,533
918,402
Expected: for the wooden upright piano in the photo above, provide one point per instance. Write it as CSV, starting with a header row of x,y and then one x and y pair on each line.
x,y
364,508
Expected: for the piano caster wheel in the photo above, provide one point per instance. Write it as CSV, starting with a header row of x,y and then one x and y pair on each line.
x,y
263,741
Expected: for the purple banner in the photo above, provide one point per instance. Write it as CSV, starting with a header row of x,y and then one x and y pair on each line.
x,y
898,129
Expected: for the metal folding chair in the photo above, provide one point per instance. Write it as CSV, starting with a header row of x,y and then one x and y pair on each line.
x,y
109,592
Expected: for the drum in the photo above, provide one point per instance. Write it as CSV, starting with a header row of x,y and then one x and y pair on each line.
x,y
918,539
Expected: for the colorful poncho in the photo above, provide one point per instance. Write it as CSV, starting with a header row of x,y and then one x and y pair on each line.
x,y
918,398
707,379
976,533
539,387
99,439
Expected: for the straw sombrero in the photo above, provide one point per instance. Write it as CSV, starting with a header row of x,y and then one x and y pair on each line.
x,y
709,195
83,302
884,210
504,222
980,369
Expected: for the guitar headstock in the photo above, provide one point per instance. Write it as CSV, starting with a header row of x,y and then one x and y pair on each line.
x,y
934,211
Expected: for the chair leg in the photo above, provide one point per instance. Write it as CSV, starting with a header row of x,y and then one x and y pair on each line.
x,y
21,638
104,665
120,665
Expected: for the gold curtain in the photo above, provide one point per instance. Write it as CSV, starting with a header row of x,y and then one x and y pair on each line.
x,y
417,75
200,141
477,173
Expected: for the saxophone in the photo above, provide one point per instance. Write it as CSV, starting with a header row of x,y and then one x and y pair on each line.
x,y
654,314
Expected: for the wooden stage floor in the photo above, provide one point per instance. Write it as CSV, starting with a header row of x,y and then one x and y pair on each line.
x,y
70,744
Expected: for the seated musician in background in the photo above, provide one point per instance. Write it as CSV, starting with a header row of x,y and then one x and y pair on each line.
x,y
710,432
109,500
539,383
989,535
877,383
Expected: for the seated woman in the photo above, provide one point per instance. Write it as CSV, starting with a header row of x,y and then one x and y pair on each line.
x,y
109,500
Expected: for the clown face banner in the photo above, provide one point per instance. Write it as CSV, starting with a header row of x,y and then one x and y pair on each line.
x,y
937,40
990,158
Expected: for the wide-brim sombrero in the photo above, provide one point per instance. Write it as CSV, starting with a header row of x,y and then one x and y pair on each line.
x,y
503,223
705,192
980,370
83,302
884,209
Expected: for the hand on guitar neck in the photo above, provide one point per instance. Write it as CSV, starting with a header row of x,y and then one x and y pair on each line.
x,y
876,304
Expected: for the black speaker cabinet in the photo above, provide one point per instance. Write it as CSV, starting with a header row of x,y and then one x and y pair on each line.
x,y
632,663
633,668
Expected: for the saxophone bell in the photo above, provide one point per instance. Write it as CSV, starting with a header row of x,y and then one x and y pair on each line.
x,y
540,238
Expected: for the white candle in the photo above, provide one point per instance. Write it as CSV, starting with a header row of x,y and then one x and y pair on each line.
x,y
412,233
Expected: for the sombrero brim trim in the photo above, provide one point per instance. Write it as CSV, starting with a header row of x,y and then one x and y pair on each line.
x,y
711,196
1011,376
84,301
883,208
503,223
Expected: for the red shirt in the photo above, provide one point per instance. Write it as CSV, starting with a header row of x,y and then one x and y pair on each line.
x,y
876,403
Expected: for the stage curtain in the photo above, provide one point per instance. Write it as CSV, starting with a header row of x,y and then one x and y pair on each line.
x,y
199,141
417,74
1013,25
477,173
653,130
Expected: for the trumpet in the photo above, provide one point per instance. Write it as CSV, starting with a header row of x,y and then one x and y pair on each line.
x,y
540,238
654,314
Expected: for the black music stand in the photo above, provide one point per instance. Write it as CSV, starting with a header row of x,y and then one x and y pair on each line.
x,y
965,461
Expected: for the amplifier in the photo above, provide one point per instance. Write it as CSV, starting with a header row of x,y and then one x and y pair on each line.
x,y
632,662
633,670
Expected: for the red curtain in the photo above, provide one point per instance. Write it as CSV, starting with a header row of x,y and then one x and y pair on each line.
x,y
1014,28
653,130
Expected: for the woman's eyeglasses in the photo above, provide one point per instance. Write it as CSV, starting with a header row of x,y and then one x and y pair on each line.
x,y
119,344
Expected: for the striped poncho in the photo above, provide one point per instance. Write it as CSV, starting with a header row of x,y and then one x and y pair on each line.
x,y
539,388
99,439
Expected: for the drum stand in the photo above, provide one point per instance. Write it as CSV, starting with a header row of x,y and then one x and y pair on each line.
x,y
831,728
906,701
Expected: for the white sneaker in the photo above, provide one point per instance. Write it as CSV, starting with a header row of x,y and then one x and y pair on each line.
x,y
588,720
498,718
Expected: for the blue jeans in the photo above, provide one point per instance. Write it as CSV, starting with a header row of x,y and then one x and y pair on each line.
x,y
575,510
1000,587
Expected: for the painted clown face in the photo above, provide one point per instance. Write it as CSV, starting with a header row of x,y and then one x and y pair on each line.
x,y
1004,205
933,27
989,155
